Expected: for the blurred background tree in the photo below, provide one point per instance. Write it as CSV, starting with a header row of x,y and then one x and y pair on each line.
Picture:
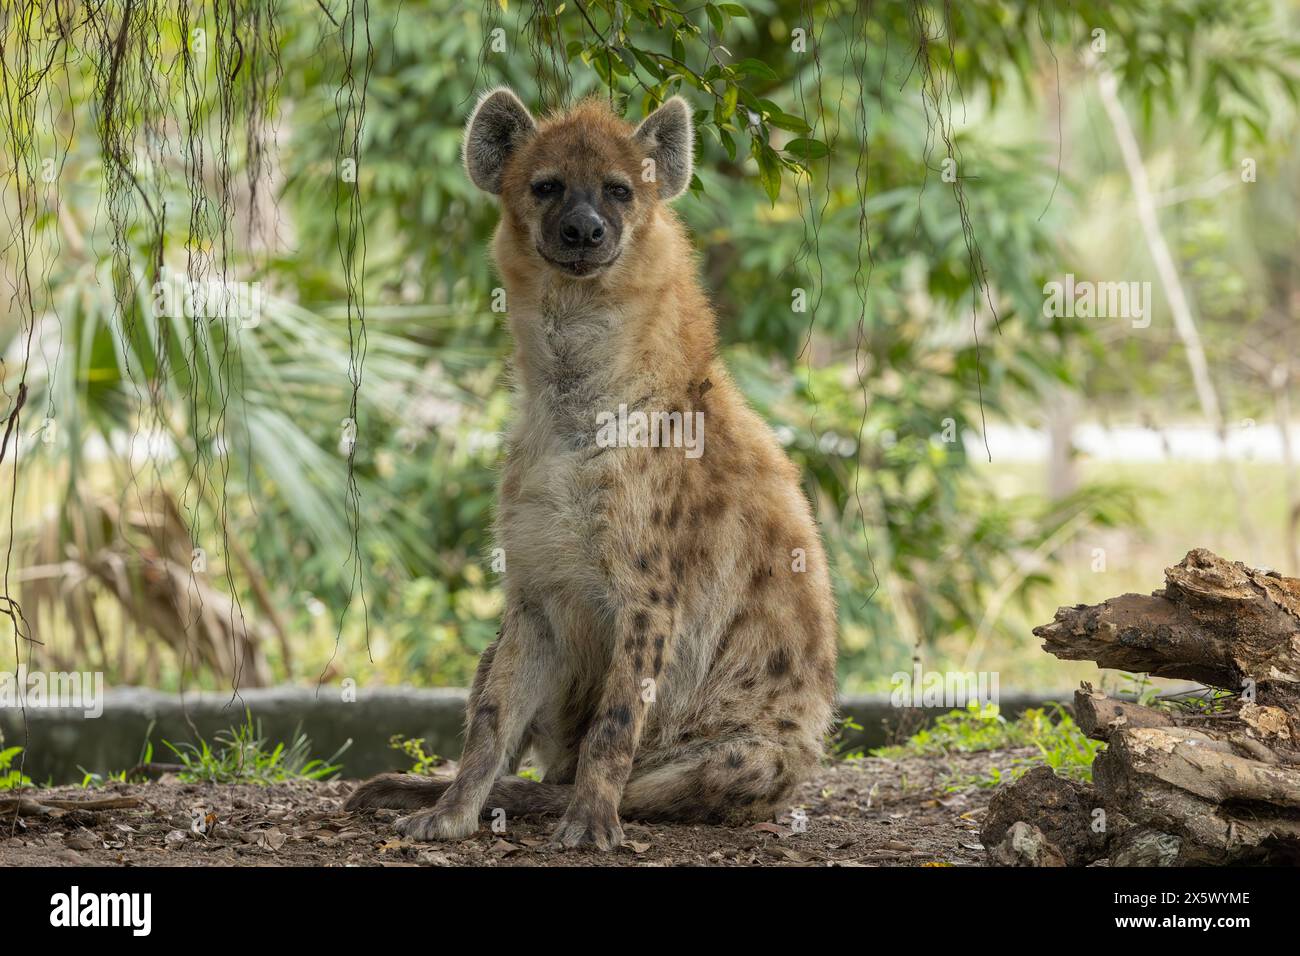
x,y
882,191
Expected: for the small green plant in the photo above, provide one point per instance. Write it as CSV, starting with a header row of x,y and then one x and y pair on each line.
x,y
1140,688
91,780
413,747
1202,701
838,744
1051,731
1199,700
243,755
965,731
10,777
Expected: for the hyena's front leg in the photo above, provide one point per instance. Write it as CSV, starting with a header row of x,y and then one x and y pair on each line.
x,y
605,758
505,700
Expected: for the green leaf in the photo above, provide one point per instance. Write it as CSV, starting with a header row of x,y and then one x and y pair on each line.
x,y
651,65
769,168
729,99
728,143
807,148
715,17
788,121
751,67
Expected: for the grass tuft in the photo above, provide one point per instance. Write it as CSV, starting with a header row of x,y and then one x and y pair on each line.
x,y
1051,731
243,755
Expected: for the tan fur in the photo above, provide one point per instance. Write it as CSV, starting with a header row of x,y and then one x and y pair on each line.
x,y
631,564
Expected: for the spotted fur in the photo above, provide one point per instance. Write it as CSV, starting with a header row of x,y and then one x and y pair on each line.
x,y
664,654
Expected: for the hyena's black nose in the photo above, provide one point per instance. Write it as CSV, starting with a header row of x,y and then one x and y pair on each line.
x,y
582,227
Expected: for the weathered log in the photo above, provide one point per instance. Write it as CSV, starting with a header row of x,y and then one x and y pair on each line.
x,y
1098,715
1180,786
1223,807
1270,724
1216,621
1141,846
1200,788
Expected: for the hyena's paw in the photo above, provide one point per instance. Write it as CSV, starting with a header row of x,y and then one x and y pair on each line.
x,y
438,823
396,791
589,827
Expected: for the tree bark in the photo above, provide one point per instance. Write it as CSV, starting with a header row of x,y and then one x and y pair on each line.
x,y
1215,621
1099,716
1211,782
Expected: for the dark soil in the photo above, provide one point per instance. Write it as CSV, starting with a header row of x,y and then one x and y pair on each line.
x,y
870,812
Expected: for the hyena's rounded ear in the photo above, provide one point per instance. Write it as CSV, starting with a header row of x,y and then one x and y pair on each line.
x,y
668,139
499,123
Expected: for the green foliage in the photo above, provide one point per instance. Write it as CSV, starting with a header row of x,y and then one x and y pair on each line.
x,y
91,780
1052,732
1204,702
243,755
413,747
818,171
838,746
10,777
1201,701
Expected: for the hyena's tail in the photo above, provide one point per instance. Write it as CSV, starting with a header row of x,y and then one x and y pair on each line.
x,y
518,796
721,785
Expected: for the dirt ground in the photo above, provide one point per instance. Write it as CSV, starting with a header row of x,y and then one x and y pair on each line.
x,y
868,812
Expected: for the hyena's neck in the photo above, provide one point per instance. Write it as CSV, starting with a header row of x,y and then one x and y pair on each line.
x,y
642,335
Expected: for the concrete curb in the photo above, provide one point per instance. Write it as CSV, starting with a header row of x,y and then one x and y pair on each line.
x,y
61,740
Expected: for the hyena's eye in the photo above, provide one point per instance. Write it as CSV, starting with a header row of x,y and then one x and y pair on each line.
x,y
620,191
547,188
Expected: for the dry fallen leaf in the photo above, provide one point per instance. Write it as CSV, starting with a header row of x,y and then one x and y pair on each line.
x,y
776,828
81,840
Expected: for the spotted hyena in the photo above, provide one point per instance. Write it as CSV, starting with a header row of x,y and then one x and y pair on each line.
x,y
667,650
